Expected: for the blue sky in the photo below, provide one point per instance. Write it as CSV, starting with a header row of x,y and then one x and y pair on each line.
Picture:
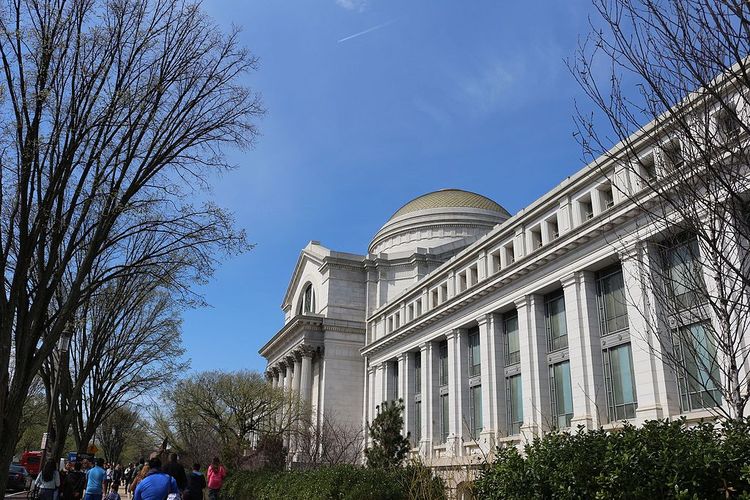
x,y
467,94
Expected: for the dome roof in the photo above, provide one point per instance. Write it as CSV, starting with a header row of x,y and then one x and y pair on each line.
x,y
448,216
447,198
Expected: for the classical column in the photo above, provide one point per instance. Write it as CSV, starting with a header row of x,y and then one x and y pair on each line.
x,y
534,370
457,389
490,340
654,382
428,398
370,412
584,349
305,353
405,384
286,380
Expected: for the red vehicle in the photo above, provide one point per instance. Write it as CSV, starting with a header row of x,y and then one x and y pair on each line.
x,y
32,461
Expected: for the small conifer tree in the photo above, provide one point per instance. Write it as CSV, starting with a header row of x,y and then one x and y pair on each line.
x,y
388,446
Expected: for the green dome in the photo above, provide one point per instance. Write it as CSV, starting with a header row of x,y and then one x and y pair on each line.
x,y
447,198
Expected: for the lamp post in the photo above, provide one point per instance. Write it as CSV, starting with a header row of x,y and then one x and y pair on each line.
x,y
62,348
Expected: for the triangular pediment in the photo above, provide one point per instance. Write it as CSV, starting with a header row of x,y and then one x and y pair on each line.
x,y
313,254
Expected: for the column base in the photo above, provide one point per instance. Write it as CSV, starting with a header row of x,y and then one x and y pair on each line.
x,y
529,432
586,421
453,445
648,413
487,441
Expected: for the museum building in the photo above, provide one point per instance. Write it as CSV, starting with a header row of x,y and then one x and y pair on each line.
x,y
493,328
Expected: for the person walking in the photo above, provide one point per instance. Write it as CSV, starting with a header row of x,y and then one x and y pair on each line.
x,y
107,478
216,475
48,481
117,477
177,471
196,483
156,485
138,478
94,480
74,483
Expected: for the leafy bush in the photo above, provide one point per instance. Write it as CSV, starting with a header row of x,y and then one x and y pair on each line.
x,y
389,447
661,459
342,482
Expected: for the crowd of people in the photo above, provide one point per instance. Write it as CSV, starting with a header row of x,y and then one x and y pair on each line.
x,y
143,481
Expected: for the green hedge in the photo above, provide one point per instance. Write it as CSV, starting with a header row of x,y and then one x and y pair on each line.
x,y
338,482
662,459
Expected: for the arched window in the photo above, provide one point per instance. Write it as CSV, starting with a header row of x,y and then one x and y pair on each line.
x,y
307,301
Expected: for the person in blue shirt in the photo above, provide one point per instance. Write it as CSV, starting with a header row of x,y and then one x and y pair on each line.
x,y
156,485
94,478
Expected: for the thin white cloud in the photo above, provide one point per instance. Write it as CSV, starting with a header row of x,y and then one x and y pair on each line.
x,y
368,30
359,5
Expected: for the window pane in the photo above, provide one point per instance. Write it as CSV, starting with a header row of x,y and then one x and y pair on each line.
x,y
515,405
562,394
475,403
700,372
685,281
417,423
612,305
444,412
512,346
443,363
557,329
475,363
621,396
417,373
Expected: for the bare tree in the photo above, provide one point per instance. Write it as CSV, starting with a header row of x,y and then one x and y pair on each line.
x,y
238,407
329,441
669,81
126,343
113,112
115,432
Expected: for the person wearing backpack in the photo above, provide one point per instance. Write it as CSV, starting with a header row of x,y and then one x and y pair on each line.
x,y
74,483
156,485
216,475
196,483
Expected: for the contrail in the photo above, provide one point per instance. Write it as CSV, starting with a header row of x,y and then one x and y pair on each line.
x,y
368,30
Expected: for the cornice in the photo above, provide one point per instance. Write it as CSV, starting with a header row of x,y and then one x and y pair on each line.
x,y
565,243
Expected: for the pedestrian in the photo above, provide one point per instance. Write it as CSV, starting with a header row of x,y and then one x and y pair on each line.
x,y
156,485
94,480
177,471
112,495
107,479
138,478
74,483
196,484
216,475
117,477
128,476
48,481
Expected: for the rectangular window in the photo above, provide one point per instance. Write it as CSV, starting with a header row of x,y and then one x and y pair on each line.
x,y
512,346
417,431
613,312
473,275
698,372
510,254
444,418
417,373
462,282
619,383
684,275
435,298
585,208
443,292
393,396
443,365
536,238
475,360
557,328
475,411
561,394
514,404
419,307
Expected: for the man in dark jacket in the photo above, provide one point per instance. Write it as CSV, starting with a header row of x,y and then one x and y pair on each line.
x,y
177,471
196,484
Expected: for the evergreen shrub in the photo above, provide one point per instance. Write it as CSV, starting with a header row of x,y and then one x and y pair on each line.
x,y
661,459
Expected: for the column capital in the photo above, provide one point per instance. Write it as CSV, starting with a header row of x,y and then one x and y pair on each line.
x,y
269,374
453,334
275,369
569,279
282,365
371,369
522,301
424,347
630,251
306,351
290,360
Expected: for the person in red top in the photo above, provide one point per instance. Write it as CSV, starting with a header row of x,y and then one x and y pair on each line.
x,y
216,475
